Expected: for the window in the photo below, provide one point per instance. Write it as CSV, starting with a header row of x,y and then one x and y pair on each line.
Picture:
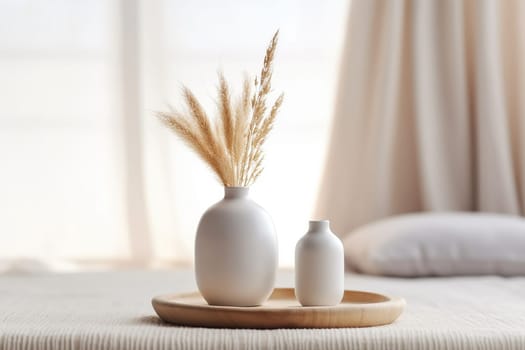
x,y
79,82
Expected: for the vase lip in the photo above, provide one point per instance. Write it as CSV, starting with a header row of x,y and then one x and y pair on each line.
x,y
236,191
315,225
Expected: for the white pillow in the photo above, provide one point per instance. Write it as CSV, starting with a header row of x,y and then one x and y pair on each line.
x,y
439,244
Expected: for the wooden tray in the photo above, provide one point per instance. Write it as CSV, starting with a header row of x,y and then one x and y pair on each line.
x,y
358,309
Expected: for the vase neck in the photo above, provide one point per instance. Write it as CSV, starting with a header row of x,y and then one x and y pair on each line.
x,y
236,192
319,225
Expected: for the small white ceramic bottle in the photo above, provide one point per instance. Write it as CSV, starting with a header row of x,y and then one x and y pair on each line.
x,y
319,266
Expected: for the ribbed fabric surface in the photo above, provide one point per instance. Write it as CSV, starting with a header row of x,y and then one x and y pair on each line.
x,y
113,311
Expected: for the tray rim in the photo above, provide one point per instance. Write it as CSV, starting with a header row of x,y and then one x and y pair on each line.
x,y
163,299
344,315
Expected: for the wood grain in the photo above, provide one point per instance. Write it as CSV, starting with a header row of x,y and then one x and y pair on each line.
x,y
358,309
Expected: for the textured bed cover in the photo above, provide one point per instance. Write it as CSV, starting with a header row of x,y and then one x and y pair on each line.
x,y
113,311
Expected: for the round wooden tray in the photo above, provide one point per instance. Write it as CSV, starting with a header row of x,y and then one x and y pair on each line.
x,y
358,309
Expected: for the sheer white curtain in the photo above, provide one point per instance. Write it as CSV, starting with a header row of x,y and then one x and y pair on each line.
x,y
88,175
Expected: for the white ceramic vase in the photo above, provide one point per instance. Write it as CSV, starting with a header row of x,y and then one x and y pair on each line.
x,y
236,251
319,266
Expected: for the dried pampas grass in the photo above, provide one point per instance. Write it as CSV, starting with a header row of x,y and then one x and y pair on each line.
x,y
232,144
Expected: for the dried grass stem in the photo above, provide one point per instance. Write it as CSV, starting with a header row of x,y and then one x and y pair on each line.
x,y
232,144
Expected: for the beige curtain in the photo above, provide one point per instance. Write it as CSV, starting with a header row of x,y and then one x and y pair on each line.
x,y
430,114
